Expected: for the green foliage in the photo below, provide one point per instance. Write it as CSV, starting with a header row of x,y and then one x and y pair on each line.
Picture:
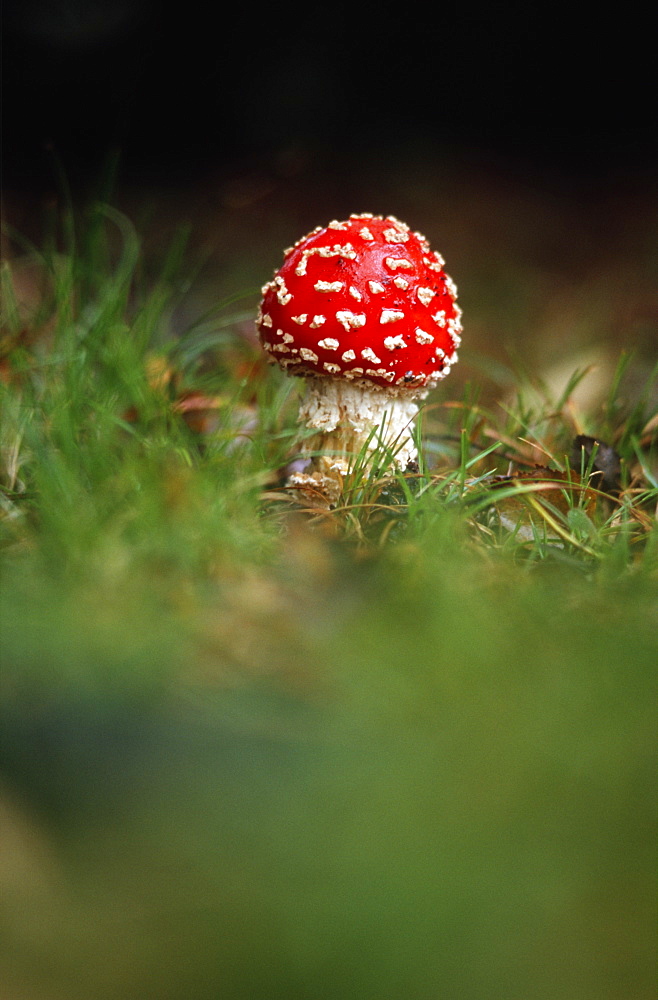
x,y
399,748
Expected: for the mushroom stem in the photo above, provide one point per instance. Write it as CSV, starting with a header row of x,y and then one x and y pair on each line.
x,y
344,416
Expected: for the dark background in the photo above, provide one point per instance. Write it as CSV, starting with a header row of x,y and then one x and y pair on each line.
x,y
197,88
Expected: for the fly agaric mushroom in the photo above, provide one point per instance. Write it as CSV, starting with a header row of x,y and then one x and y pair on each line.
x,y
365,311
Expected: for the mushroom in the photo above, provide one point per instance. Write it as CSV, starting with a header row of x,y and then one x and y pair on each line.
x,y
364,310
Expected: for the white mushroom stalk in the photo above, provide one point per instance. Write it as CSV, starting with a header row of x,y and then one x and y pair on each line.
x,y
364,310
349,419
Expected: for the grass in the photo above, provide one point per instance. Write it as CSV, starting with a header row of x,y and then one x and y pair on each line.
x,y
399,748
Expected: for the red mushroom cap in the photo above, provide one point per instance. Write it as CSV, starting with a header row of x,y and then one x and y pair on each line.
x,y
364,300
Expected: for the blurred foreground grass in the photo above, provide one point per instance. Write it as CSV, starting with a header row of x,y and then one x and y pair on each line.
x,y
401,749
